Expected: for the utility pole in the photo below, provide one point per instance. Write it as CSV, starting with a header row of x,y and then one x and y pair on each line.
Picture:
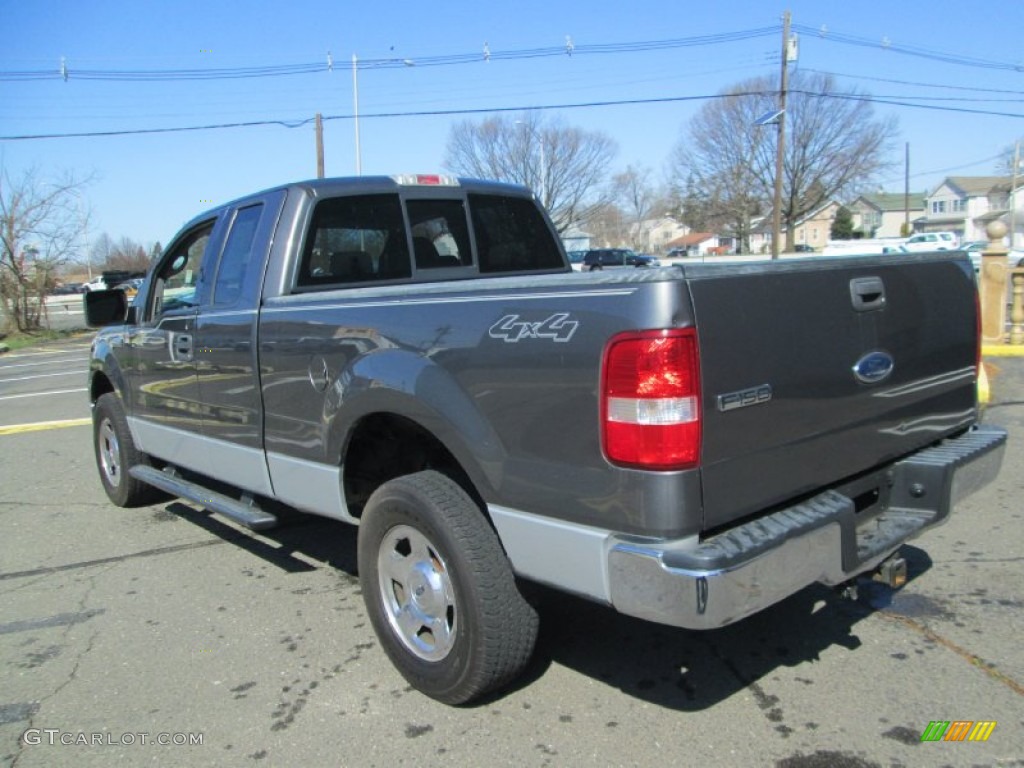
x,y
780,145
906,191
319,146
1013,195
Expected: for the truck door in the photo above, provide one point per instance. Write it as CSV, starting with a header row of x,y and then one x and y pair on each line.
x,y
166,418
227,366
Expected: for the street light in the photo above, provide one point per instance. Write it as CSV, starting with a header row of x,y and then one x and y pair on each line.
x,y
355,102
539,137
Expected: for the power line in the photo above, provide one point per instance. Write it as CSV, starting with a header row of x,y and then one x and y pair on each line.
x,y
972,88
495,110
896,103
908,50
67,72
935,171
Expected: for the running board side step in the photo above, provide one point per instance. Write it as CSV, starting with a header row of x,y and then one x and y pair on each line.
x,y
245,512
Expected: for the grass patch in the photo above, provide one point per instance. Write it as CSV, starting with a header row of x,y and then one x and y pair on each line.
x,y
20,340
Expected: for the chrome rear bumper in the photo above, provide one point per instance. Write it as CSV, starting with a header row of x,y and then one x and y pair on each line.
x,y
829,538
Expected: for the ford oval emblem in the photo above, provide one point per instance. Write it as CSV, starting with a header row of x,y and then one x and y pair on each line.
x,y
873,367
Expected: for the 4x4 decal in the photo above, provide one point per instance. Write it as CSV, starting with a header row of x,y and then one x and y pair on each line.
x,y
511,329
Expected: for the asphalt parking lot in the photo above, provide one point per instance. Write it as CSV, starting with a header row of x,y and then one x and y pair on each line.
x,y
167,636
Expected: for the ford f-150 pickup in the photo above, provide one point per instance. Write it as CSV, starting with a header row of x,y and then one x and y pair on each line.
x,y
414,355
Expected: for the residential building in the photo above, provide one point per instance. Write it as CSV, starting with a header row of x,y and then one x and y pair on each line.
x,y
967,204
883,214
814,229
654,235
694,244
576,240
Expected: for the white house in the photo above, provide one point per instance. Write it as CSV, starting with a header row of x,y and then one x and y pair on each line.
x,y
576,240
695,244
966,204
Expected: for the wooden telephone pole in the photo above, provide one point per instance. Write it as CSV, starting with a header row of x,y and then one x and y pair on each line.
x,y
319,146
780,146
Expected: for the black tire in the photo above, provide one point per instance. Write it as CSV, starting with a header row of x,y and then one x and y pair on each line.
x,y
116,454
445,605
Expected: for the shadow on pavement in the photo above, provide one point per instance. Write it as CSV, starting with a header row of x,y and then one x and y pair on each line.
x,y
674,668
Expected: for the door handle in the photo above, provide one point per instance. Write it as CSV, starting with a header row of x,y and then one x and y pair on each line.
x,y
183,346
867,293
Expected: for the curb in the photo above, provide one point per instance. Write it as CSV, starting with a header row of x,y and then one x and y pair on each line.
x,y
1002,350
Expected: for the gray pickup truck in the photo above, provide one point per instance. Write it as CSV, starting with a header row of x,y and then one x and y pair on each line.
x,y
686,444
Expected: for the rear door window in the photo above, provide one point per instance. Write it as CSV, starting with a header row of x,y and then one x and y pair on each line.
x,y
235,260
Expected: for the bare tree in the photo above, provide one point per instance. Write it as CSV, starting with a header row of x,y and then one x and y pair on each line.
x,y
1004,163
716,167
607,226
637,198
565,166
41,223
124,254
834,146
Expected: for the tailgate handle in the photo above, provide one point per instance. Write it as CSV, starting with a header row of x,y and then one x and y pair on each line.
x,y
867,293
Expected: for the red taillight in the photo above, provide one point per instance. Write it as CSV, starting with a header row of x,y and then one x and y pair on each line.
x,y
650,399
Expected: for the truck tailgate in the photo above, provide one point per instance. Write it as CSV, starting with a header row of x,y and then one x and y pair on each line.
x,y
817,370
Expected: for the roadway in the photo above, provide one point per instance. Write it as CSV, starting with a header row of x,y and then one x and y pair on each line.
x,y
117,626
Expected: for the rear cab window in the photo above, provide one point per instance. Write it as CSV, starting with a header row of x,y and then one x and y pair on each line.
x,y
424,234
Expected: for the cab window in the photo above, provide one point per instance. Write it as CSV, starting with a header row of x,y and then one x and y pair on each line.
x,y
175,281
440,234
235,260
512,236
355,239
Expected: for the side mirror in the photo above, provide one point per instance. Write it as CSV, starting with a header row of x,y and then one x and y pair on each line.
x,y
104,308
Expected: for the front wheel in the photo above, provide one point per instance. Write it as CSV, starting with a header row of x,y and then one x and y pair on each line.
x,y
439,590
116,454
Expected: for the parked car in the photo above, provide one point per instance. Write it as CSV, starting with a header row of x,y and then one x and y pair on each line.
x,y
576,259
975,248
701,472
931,241
803,248
98,283
130,287
64,289
610,258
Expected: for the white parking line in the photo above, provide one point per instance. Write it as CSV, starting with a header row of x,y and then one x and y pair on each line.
x,y
43,376
40,394
47,352
44,362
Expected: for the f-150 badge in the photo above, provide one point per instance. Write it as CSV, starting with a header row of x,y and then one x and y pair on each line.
x,y
511,329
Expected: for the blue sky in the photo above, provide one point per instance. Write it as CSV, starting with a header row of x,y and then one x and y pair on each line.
x,y
147,185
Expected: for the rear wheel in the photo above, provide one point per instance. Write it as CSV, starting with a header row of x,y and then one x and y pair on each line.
x,y
116,454
439,590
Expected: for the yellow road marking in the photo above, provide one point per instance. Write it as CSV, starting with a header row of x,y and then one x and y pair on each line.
x,y
14,429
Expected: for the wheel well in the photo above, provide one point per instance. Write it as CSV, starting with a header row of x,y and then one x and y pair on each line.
x,y
385,446
99,386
